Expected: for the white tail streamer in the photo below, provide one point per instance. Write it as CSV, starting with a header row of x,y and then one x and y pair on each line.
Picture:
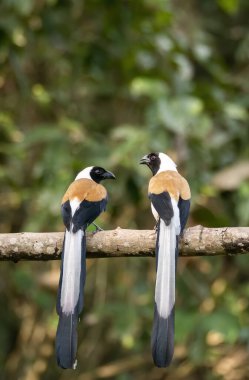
x,y
166,264
165,279
70,288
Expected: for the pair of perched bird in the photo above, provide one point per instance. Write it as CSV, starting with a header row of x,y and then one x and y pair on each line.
x,y
82,203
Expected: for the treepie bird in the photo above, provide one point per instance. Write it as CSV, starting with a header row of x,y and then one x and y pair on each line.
x,y
169,194
82,203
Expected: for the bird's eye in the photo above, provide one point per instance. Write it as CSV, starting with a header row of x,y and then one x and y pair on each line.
x,y
153,157
97,171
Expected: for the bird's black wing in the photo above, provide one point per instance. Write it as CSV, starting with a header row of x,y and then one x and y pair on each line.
x,y
184,206
87,212
66,214
163,205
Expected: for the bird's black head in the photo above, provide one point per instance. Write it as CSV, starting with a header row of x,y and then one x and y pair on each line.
x,y
153,161
99,174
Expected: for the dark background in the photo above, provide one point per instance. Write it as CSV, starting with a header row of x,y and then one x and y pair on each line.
x,y
105,82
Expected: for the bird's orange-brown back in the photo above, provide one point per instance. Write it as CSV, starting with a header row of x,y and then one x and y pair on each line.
x,y
171,182
85,189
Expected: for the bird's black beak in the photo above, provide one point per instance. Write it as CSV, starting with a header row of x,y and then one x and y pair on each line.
x,y
144,160
108,175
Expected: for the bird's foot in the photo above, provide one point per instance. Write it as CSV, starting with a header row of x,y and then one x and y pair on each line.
x,y
156,227
98,229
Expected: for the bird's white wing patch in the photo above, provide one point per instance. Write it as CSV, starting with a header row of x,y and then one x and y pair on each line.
x,y
154,212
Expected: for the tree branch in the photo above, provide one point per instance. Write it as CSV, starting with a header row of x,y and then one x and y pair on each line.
x,y
197,241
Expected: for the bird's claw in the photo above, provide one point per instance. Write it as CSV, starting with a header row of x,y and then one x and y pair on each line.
x,y
156,227
98,229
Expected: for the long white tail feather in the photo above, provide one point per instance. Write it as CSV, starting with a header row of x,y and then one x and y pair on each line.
x,y
70,288
165,279
166,262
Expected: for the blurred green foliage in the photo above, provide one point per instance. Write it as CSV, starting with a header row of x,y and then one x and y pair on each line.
x,y
105,82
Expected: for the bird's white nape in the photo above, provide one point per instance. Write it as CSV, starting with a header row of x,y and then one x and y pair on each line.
x,y
85,173
166,163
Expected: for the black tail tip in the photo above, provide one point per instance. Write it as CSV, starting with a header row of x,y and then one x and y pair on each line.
x,y
66,341
67,365
162,362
